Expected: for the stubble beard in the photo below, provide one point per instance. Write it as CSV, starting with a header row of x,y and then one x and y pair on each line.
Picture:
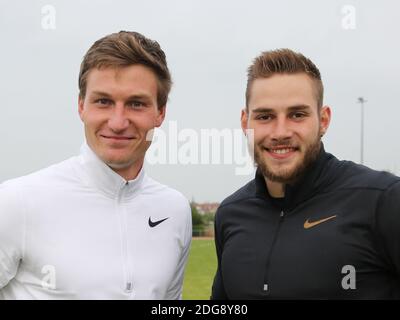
x,y
288,176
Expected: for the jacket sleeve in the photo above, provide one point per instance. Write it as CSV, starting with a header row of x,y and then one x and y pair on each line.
x,y
11,234
388,225
175,289
218,290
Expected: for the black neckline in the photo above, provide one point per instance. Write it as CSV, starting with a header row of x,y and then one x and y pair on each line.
x,y
314,176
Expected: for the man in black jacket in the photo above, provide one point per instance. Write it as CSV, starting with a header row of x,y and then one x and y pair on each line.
x,y
308,226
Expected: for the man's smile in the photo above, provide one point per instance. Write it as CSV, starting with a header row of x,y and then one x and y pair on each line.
x,y
280,152
117,141
117,137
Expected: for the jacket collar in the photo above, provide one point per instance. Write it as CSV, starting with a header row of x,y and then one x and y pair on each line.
x,y
315,177
102,177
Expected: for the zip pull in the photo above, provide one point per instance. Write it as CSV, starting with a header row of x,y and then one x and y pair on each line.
x,y
282,214
129,287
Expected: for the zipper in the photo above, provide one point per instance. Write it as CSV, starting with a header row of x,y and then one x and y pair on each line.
x,y
266,277
127,269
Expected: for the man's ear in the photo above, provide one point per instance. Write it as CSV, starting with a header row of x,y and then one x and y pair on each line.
x,y
161,116
325,119
244,119
80,107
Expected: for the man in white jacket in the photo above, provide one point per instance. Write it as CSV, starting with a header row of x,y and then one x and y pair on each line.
x,y
96,226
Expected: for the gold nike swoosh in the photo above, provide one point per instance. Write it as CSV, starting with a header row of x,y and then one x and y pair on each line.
x,y
308,224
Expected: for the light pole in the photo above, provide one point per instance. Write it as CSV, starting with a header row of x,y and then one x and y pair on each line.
x,y
361,101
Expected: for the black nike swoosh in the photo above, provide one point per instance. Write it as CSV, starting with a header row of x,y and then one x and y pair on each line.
x,y
155,223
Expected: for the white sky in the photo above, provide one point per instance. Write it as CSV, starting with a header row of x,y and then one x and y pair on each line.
x,y
209,45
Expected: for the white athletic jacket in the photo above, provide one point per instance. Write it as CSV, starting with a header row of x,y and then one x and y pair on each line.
x,y
78,230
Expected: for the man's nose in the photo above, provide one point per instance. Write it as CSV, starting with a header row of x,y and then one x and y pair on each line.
x,y
118,120
281,129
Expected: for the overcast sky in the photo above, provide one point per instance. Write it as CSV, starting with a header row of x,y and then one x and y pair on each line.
x,y
209,45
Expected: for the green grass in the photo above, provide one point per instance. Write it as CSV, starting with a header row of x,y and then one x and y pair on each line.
x,y
200,270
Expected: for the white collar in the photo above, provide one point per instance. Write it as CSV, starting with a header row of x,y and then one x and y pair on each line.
x,y
101,176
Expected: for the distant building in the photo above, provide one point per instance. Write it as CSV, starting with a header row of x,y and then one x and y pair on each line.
x,y
207,207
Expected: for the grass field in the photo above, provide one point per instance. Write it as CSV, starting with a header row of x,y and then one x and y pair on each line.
x,y
200,270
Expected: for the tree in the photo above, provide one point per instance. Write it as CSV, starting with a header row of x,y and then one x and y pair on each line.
x,y
197,218
197,221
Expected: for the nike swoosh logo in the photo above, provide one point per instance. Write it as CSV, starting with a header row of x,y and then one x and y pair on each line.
x,y
155,223
308,224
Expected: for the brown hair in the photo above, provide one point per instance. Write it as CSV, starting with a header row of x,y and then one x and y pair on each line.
x,y
123,49
283,61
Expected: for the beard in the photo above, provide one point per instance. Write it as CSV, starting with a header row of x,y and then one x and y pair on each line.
x,y
292,174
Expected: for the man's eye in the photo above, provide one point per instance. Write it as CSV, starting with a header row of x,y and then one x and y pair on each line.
x,y
136,104
103,102
298,115
264,117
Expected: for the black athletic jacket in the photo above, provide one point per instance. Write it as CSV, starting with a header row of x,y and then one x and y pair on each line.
x,y
335,235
